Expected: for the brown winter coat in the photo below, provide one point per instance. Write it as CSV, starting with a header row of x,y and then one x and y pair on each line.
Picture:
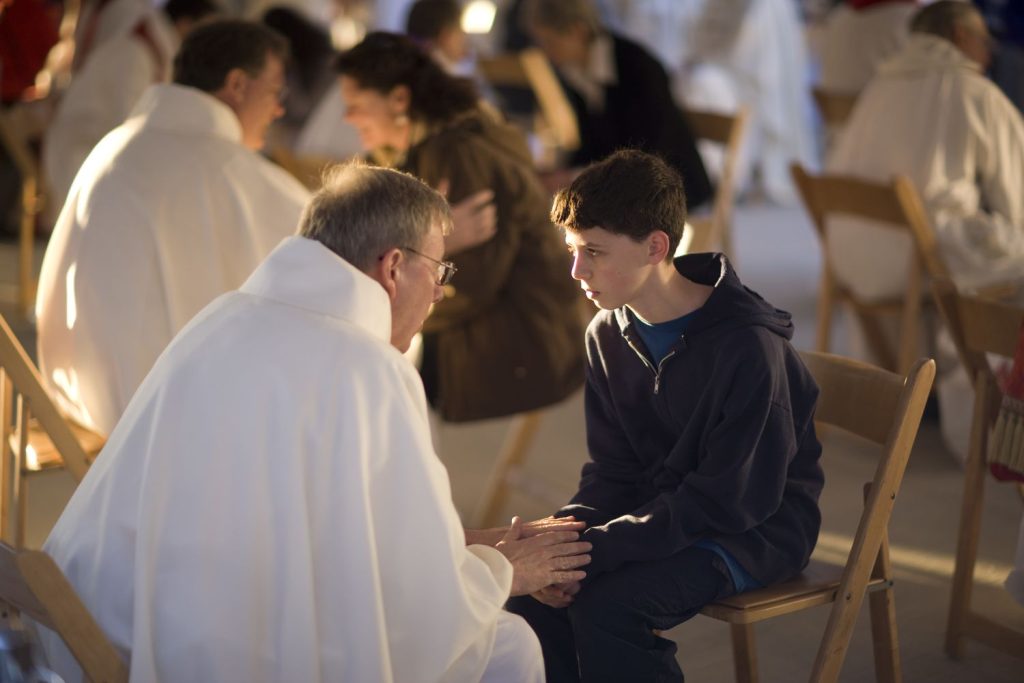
x,y
510,338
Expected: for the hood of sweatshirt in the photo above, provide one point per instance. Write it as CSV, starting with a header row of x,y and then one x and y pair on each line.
x,y
730,306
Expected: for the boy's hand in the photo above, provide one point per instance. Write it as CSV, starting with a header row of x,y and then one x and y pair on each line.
x,y
542,526
559,595
494,535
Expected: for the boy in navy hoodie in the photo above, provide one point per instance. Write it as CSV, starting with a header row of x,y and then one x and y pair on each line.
x,y
704,476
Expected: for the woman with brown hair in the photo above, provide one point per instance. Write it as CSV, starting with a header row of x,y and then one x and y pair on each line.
x,y
508,338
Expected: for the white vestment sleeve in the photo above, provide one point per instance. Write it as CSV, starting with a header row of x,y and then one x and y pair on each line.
x,y
441,599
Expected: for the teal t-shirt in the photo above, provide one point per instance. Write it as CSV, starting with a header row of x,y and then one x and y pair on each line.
x,y
659,338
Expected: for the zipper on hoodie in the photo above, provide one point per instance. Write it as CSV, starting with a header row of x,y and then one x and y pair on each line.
x,y
656,371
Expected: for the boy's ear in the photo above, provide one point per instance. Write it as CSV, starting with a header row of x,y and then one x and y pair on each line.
x,y
657,246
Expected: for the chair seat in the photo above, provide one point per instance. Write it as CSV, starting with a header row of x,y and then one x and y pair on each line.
x,y
816,585
44,455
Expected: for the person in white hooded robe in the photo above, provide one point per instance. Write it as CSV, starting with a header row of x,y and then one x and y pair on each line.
x,y
932,115
170,210
271,509
108,81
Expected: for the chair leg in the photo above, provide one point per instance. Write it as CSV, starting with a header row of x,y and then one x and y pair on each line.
x,y
744,652
6,454
19,536
882,604
826,295
883,633
970,526
512,455
17,462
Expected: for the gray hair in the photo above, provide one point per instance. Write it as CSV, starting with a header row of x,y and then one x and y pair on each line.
x,y
941,18
559,15
363,211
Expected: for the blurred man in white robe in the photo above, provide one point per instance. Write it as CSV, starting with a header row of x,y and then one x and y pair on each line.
x,y
271,509
109,81
171,209
932,115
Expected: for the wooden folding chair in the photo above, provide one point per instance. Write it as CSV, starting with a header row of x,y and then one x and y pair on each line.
x,y
835,107
894,205
885,408
31,204
726,130
34,585
34,435
531,69
978,326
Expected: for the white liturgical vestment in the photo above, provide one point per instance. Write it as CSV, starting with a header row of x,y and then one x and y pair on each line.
x,y
931,115
168,212
104,89
270,507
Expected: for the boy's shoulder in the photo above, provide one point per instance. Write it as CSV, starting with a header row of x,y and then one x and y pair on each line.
x,y
603,322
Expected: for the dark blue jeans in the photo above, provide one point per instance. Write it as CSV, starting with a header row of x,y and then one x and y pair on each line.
x,y
606,634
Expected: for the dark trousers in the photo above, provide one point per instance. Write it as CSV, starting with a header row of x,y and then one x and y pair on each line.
x,y
606,634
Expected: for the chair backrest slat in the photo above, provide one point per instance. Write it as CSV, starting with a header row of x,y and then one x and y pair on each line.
x,y
22,373
708,125
978,325
32,583
868,398
990,326
838,194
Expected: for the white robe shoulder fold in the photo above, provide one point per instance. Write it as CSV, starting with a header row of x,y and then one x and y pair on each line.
x,y
931,115
271,509
168,212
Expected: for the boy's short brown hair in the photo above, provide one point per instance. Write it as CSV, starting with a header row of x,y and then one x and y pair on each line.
x,y
629,193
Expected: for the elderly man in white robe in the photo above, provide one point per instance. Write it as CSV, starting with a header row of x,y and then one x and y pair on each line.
x,y
170,210
931,114
109,80
271,509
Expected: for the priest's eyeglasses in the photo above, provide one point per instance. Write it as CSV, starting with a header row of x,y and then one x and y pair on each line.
x,y
445,269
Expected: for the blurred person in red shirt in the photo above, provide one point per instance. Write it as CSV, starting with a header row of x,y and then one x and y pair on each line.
x,y
28,29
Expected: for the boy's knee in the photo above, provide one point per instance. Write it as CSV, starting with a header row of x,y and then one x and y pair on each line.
x,y
602,602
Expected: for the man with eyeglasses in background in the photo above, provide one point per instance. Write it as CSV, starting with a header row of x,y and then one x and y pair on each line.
x,y
271,507
171,209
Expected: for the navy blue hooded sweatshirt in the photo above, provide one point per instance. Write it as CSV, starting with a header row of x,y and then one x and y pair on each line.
x,y
717,441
